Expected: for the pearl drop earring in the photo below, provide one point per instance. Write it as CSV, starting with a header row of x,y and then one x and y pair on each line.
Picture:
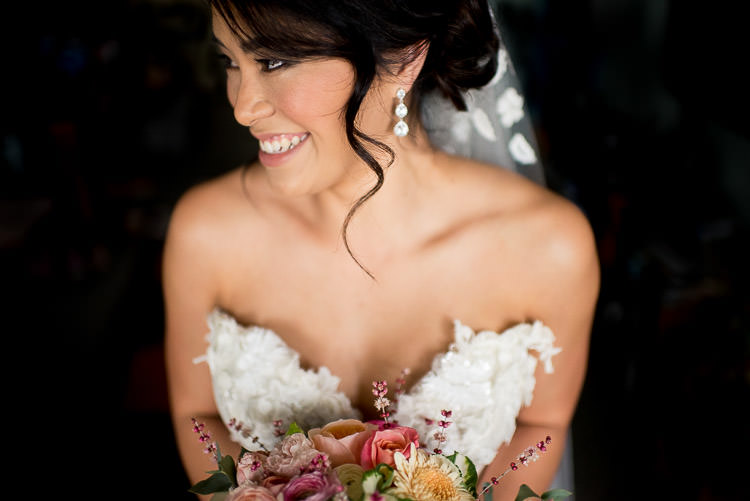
x,y
401,128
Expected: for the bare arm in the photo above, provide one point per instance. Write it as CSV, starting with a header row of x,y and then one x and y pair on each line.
x,y
563,295
190,286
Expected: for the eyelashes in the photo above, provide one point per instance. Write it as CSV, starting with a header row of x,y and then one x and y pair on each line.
x,y
271,64
267,65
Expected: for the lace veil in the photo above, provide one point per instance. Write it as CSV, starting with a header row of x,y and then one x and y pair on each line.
x,y
495,128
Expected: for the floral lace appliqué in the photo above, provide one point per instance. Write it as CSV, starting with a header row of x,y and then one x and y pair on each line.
x,y
484,378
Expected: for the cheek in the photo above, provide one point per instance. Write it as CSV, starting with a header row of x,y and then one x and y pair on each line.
x,y
376,115
232,87
321,98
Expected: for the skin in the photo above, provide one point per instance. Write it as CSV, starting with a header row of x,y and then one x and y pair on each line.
x,y
445,238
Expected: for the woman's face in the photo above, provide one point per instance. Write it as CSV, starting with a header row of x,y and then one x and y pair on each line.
x,y
296,111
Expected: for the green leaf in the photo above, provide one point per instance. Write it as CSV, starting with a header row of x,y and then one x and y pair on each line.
x,y
217,482
525,492
468,471
218,452
556,494
219,496
293,428
228,467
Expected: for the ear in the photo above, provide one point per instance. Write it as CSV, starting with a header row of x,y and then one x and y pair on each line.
x,y
413,58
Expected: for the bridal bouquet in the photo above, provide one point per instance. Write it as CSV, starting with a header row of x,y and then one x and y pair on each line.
x,y
351,460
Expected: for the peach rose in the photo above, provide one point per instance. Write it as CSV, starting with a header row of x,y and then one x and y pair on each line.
x,y
383,444
250,492
342,440
251,467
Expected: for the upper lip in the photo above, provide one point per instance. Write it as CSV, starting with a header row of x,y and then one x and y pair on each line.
x,y
276,135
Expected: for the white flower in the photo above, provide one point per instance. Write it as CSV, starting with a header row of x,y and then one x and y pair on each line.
x,y
521,150
502,67
427,477
510,107
483,125
461,127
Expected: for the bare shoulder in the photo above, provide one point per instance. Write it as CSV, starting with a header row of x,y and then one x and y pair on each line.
x,y
548,227
559,233
202,225
210,217
554,246
528,232
205,206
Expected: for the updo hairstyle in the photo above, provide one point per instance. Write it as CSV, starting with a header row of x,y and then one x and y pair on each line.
x,y
373,36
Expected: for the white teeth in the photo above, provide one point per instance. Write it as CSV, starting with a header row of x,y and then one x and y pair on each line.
x,y
281,145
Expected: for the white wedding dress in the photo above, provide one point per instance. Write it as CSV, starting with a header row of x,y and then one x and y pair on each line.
x,y
484,378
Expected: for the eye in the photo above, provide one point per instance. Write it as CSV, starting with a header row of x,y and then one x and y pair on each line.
x,y
271,64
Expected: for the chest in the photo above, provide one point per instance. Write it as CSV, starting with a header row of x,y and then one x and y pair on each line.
x,y
329,311
359,335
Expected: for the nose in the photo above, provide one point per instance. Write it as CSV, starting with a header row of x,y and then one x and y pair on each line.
x,y
249,100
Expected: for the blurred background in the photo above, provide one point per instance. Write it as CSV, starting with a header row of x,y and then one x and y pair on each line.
x,y
112,109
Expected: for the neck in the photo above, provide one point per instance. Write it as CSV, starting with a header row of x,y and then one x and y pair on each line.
x,y
396,214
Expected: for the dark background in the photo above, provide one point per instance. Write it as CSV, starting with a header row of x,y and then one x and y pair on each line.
x,y
112,109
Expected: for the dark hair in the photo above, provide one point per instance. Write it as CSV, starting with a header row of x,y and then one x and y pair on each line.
x,y
374,35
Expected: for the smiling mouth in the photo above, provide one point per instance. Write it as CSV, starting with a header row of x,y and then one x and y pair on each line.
x,y
282,143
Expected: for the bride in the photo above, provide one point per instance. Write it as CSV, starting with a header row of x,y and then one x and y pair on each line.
x,y
358,246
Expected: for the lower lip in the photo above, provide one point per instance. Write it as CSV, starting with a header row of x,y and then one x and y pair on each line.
x,y
277,159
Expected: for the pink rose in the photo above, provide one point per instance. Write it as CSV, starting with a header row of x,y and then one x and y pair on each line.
x,y
383,444
315,486
250,492
251,467
292,455
342,440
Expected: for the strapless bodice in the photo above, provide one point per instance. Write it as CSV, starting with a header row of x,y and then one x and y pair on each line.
x,y
484,378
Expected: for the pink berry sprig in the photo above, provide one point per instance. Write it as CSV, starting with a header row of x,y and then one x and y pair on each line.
x,y
277,430
440,434
400,383
246,432
380,390
204,437
529,455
